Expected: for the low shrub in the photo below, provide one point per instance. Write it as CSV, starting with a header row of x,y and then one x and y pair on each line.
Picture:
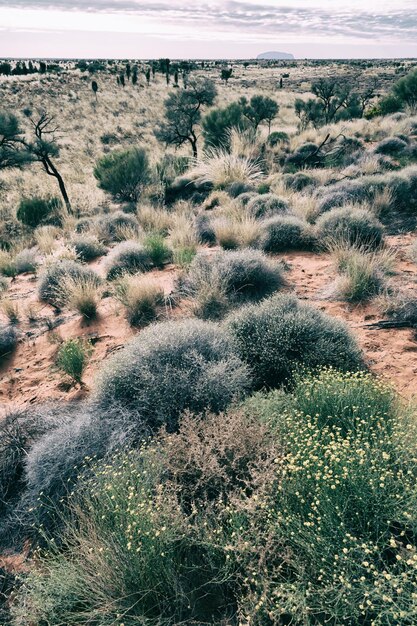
x,y
299,181
7,264
171,367
8,340
72,358
282,334
128,257
266,205
402,186
123,173
230,278
50,283
10,309
35,211
204,229
391,146
413,251
26,261
117,226
307,155
141,297
277,511
352,225
286,233
88,247
277,137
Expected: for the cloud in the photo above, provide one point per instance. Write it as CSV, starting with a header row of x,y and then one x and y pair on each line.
x,y
393,22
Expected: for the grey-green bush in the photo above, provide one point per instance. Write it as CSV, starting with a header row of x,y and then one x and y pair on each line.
x,y
112,227
266,205
88,247
128,257
282,334
356,226
8,340
50,284
171,367
286,232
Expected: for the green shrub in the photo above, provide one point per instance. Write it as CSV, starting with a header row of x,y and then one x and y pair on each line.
x,y
355,226
266,205
88,247
128,257
282,334
218,123
35,211
123,173
230,278
72,358
171,367
50,284
8,340
405,90
159,253
286,233
278,137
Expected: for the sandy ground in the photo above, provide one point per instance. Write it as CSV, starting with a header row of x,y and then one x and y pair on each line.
x,y
30,375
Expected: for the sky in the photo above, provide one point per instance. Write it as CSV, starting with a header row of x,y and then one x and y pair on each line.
x,y
207,29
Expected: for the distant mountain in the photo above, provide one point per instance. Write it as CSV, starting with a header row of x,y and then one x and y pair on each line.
x,y
275,55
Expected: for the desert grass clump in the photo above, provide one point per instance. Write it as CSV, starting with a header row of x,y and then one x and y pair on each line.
x,y
7,264
221,169
154,219
8,340
237,233
82,294
72,358
46,238
26,261
4,284
228,278
128,257
10,309
171,367
51,281
352,225
282,334
286,232
141,298
87,247
159,252
362,271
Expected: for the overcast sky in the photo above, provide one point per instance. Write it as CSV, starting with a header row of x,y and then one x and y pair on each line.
x,y
207,29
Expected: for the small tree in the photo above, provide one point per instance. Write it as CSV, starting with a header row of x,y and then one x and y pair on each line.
x,y
12,153
134,76
5,68
259,109
148,76
123,173
332,94
122,80
44,148
405,90
226,73
94,87
128,71
183,113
